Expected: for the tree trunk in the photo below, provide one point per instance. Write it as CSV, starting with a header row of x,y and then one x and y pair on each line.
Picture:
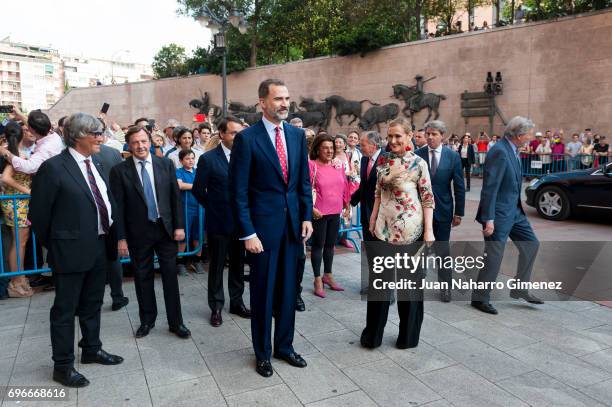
x,y
254,27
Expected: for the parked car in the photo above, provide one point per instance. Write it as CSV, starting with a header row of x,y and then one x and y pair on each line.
x,y
557,196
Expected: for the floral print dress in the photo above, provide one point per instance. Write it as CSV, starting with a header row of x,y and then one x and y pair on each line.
x,y
404,188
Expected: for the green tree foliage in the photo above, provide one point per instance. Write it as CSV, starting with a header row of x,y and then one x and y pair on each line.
x,y
286,30
169,61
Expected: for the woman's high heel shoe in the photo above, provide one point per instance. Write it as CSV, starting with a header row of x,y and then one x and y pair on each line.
x,y
319,292
334,286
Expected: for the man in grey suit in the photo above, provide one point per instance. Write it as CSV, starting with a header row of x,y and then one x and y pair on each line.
x,y
109,157
501,213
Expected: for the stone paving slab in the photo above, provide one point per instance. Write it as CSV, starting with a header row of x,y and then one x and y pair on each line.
x,y
558,354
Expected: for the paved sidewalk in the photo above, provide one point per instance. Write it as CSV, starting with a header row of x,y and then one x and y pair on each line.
x,y
552,355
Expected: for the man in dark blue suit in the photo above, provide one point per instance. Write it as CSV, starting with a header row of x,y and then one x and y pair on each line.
x,y
370,144
501,213
272,200
445,170
211,189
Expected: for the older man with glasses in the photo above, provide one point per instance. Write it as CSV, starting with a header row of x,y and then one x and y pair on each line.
x,y
72,212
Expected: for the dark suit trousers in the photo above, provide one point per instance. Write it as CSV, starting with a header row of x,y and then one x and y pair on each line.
x,y
522,235
114,278
142,249
410,313
442,231
219,246
77,294
273,292
301,265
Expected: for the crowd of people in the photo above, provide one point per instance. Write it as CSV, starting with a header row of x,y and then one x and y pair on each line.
x,y
94,192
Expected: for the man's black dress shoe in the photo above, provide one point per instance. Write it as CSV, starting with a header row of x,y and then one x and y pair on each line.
x,y
484,307
102,357
264,368
526,296
181,331
241,311
144,330
216,319
292,358
445,295
299,304
120,303
69,378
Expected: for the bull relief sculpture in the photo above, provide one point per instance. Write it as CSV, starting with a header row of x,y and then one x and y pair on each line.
x,y
318,113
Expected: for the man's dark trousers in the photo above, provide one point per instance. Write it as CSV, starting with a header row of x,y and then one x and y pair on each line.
x,y
442,231
522,235
219,246
142,248
79,293
273,282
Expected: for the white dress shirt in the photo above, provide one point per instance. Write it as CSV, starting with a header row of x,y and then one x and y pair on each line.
x,y
80,159
227,152
271,129
149,168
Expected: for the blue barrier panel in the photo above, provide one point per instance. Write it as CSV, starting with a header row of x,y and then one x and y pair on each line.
x,y
7,274
538,165
354,227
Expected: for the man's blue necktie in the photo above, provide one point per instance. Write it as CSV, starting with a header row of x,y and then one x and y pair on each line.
x,y
149,195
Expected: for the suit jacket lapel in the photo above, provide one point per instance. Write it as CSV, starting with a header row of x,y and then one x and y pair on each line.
x,y
135,178
73,169
266,145
513,159
221,157
100,168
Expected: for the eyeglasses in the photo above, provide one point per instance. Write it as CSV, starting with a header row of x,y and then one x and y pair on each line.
x,y
97,133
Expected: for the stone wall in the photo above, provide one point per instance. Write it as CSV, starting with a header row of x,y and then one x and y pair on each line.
x,y
558,73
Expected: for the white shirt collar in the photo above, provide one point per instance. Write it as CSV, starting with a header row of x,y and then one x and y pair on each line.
x,y
271,126
226,150
437,150
148,160
79,158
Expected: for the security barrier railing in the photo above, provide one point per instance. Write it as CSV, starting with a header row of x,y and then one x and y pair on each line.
x,y
4,250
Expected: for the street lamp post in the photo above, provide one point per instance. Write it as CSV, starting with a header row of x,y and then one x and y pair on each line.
x,y
218,26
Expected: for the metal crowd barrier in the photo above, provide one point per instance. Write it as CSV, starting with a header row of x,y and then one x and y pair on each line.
x,y
538,165
354,227
4,248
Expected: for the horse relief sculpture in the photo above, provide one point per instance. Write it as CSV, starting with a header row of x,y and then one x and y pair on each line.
x,y
204,107
416,99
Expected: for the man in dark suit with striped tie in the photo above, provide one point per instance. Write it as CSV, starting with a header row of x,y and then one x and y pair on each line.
x,y
74,217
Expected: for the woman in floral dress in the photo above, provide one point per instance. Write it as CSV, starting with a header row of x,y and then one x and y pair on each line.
x,y
402,214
